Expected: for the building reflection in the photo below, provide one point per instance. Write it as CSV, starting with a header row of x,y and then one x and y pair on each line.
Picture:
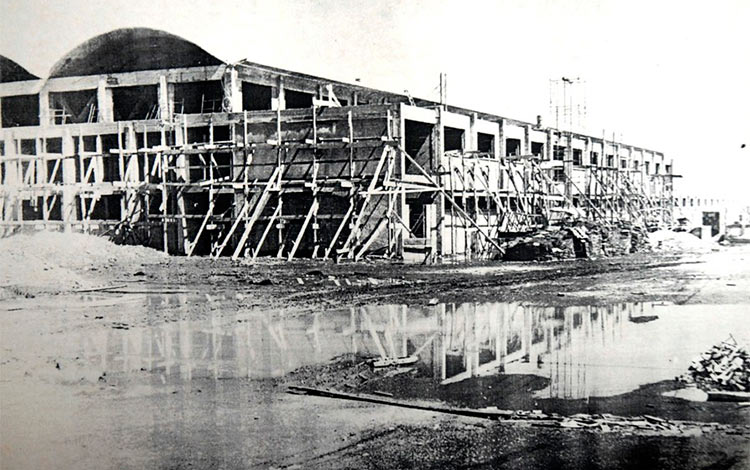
x,y
454,342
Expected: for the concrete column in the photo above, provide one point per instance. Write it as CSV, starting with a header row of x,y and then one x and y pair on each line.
x,y
99,159
130,167
131,146
12,206
44,111
526,140
472,140
10,162
41,163
234,87
104,102
629,158
165,108
68,168
568,166
501,138
496,145
549,151
279,101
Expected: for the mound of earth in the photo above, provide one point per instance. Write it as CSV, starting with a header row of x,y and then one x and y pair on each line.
x,y
52,262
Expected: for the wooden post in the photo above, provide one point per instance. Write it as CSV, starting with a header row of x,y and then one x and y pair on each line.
x,y
437,165
350,125
464,189
451,178
310,213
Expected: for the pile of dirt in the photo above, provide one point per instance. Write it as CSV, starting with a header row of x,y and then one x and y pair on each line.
x,y
667,240
53,262
726,366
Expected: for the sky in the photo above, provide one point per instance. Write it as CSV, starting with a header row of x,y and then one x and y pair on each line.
x,y
673,76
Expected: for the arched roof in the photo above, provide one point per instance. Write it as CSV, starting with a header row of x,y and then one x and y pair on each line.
x,y
10,71
129,50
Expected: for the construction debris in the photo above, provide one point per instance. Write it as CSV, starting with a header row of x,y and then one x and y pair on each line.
x,y
724,367
582,239
605,422
394,361
543,245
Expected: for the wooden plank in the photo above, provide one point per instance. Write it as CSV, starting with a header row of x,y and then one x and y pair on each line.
x,y
261,204
486,414
262,240
371,239
298,240
209,213
340,227
371,187
237,220
395,361
310,213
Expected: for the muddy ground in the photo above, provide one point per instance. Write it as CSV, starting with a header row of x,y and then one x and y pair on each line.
x,y
62,409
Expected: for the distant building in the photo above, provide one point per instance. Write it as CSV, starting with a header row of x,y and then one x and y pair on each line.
x,y
692,211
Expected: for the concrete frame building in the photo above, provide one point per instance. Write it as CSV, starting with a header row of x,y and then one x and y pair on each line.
x,y
145,136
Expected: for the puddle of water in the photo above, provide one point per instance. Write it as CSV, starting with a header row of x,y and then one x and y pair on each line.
x,y
584,351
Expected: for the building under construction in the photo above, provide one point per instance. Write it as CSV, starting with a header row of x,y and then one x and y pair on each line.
x,y
146,137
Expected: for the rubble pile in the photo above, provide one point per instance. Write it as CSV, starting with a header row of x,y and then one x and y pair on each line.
x,y
544,245
581,239
726,366
616,239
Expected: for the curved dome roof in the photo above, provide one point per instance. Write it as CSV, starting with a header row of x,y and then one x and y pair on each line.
x,y
131,49
12,72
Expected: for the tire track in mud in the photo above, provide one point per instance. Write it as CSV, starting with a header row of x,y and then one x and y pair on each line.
x,y
467,285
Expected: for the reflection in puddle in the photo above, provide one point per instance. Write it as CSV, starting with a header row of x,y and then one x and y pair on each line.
x,y
584,351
